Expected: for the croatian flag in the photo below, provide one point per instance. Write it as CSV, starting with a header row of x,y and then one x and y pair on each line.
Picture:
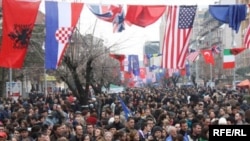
x,y
61,19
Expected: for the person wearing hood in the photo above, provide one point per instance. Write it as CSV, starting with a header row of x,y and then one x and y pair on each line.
x,y
157,133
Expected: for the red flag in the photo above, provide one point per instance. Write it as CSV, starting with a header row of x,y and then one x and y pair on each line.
x,y
236,51
183,72
18,22
127,75
179,23
144,15
120,58
143,73
208,56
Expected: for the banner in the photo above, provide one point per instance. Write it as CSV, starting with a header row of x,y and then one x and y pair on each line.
x,y
14,89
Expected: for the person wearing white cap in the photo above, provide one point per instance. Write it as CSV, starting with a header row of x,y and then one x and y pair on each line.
x,y
222,121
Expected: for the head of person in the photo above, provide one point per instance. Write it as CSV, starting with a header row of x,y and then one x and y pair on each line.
x,y
86,137
196,128
172,131
108,136
130,123
3,136
183,125
99,132
24,133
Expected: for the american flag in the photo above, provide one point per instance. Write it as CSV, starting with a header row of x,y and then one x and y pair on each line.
x,y
192,56
177,33
247,37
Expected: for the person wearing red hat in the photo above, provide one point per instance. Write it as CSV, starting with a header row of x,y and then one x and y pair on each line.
x,y
3,136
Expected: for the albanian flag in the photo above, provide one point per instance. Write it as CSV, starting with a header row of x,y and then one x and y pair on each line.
x,y
18,22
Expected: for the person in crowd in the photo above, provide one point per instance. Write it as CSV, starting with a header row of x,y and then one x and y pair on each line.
x,y
99,134
222,121
108,136
42,137
24,135
179,137
119,136
87,137
130,125
16,134
57,132
157,133
78,133
117,123
172,131
184,129
195,132
90,130
67,130
144,132
134,135
204,134
239,118
3,136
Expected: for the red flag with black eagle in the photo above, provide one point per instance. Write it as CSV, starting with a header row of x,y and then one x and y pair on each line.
x,y
19,17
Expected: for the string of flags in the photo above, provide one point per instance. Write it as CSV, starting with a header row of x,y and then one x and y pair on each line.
x,y
63,17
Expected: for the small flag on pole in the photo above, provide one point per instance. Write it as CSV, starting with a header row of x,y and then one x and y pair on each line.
x,y
192,56
228,59
126,111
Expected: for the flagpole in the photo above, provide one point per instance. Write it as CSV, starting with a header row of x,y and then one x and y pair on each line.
x,y
45,83
10,84
211,75
211,69
234,86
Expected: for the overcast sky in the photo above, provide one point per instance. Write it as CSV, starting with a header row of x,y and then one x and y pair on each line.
x,y
133,36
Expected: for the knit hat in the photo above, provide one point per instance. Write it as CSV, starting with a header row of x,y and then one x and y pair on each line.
x,y
3,135
156,128
222,121
91,120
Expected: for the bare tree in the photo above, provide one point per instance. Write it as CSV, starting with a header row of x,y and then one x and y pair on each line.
x,y
87,63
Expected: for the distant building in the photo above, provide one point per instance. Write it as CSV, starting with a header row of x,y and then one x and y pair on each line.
x,y
152,47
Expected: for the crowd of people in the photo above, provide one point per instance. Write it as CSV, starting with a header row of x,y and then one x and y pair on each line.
x,y
155,114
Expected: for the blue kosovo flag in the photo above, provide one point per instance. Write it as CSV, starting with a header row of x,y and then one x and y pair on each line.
x,y
232,15
133,65
125,108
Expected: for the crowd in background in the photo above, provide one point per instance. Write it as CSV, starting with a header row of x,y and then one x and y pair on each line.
x,y
155,114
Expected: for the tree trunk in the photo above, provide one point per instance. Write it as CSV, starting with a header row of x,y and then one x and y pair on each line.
x,y
97,88
81,95
88,79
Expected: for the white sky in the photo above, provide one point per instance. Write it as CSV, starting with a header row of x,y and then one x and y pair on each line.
x,y
132,38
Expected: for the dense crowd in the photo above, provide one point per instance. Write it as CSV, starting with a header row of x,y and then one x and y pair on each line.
x,y
156,114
